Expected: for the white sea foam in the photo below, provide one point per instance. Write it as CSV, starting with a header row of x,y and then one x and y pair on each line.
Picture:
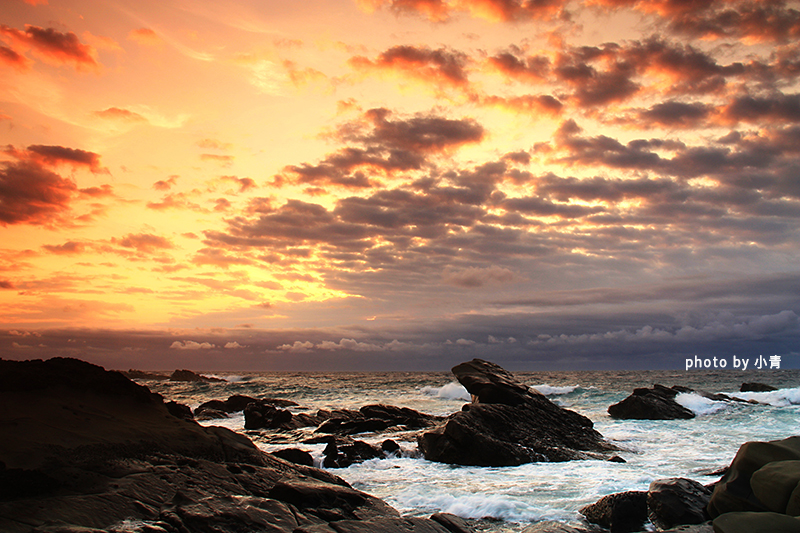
x,y
700,405
451,391
549,390
778,398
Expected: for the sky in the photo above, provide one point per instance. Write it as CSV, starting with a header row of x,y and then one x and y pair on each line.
x,y
399,184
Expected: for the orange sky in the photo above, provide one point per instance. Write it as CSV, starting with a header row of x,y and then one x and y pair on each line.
x,y
399,183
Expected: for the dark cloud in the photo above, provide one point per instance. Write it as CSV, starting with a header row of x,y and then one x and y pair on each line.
x,y
672,114
68,248
31,194
493,10
145,242
778,108
5,284
165,185
440,67
531,68
13,59
52,45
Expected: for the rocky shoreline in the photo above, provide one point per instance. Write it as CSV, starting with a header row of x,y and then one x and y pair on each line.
x,y
91,451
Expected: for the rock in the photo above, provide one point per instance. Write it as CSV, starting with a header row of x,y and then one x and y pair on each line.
x,y
756,387
657,403
774,484
88,449
188,375
238,402
342,456
705,527
733,492
179,410
490,383
375,418
265,415
389,525
677,501
140,374
530,429
295,455
390,447
452,523
753,522
622,512
551,527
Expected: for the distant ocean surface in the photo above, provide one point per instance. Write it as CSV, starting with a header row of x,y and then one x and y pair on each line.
x,y
513,497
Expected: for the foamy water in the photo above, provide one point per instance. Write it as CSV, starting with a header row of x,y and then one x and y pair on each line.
x,y
538,491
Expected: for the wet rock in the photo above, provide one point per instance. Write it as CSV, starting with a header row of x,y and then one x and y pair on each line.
x,y
375,418
188,375
657,403
295,455
90,449
733,492
344,455
265,415
179,410
530,429
623,512
677,501
551,527
389,525
140,374
756,387
390,447
753,522
452,523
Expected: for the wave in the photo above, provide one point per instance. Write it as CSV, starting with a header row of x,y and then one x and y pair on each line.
x,y
549,390
493,506
700,405
451,391
778,398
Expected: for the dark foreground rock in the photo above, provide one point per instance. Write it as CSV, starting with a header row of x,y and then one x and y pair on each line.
x,y
528,428
84,448
375,418
623,512
677,501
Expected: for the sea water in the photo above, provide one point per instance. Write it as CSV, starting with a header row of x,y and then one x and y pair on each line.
x,y
513,497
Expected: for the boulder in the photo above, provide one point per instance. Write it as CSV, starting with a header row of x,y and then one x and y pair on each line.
x,y
623,512
734,493
551,527
657,403
756,387
265,415
295,455
375,418
188,375
179,410
452,523
344,455
775,483
677,501
529,429
87,449
754,522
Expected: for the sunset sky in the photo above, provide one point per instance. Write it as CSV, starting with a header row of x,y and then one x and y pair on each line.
x,y
399,184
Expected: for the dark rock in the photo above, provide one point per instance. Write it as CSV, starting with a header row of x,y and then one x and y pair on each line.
x,y
756,387
490,383
530,429
265,415
389,525
705,527
209,414
657,403
775,484
733,492
623,512
188,375
342,456
375,418
295,455
677,501
87,449
753,522
352,426
179,410
616,459
390,447
140,374
551,527
452,523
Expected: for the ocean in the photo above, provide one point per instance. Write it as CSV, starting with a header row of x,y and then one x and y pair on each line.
x,y
507,499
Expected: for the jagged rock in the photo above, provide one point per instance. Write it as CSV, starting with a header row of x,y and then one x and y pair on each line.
x,y
295,455
531,428
754,522
140,374
342,456
756,387
657,403
733,493
188,375
677,501
90,449
623,512
265,415
237,403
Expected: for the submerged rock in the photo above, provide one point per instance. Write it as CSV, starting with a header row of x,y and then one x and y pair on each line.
x,y
86,449
657,403
529,428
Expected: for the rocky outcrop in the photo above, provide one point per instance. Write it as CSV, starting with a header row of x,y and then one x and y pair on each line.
x,y
375,418
87,448
528,428
263,414
188,375
657,403
756,387
623,512
677,501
